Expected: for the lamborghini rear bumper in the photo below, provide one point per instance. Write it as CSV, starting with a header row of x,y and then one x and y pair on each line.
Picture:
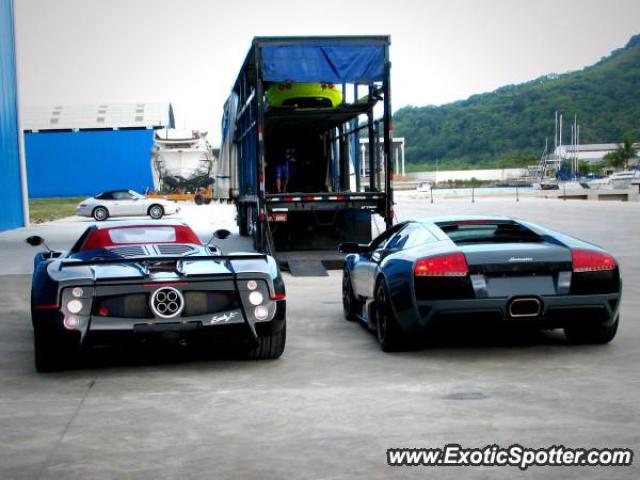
x,y
555,311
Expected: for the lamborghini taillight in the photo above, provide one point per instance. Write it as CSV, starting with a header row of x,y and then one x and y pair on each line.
x,y
592,261
450,265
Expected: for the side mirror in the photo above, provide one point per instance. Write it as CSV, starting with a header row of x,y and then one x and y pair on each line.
x,y
34,240
352,247
222,233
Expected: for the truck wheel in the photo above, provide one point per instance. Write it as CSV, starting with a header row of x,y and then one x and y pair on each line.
x,y
100,214
594,334
198,199
242,221
388,331
269,346
207,200
350,305
156,212
50,356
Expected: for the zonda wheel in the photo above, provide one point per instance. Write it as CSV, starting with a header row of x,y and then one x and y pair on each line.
x,y
388,331
591,333
269,346
100,214
350,305
50,354
156,212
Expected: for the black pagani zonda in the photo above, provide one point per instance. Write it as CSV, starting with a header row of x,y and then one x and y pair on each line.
x,y
152,279
422,273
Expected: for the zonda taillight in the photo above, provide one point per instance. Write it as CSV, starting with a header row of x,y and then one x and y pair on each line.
x,y
71,322
450,265
258,300
591,261
74,306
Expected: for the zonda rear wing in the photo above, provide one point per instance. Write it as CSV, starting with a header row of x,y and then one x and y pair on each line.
x,y
166,259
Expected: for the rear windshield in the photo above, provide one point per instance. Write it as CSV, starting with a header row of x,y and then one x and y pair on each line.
x,y
142,235
488,232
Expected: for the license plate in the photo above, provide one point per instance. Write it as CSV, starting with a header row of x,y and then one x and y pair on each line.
x,y
157,327
279,217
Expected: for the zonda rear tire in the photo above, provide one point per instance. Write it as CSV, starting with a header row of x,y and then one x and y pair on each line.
x,y
50,354
388,331
269,346
593,334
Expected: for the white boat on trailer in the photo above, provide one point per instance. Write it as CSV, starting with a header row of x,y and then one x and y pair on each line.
x,y
182,161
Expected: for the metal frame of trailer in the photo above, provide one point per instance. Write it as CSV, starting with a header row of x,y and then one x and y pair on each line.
x,y
256,206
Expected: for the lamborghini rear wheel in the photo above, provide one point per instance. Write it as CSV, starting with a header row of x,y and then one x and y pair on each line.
x,y
594,334
269,346
350,305
390,336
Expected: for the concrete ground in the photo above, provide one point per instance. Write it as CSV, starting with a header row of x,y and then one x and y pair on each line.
x,y
334,403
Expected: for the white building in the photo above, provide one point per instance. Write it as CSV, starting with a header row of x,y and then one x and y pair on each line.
x,y
591,153
397,155
491,174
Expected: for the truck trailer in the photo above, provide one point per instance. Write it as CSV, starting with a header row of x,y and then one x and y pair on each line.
x,y
291,158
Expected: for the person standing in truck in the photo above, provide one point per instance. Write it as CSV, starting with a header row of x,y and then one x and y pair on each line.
x,y
283,169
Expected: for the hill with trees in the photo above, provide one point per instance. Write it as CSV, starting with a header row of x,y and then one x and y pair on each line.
x,y
508,126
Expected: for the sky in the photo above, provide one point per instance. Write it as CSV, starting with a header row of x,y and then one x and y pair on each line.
x,y
189,52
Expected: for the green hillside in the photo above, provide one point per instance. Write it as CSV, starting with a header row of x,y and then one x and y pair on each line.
x,y
508,126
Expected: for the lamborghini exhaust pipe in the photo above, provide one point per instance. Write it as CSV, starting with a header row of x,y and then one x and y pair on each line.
x,y
524,307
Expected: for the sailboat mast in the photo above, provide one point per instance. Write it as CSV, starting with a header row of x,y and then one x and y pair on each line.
x,y
575,143
555,135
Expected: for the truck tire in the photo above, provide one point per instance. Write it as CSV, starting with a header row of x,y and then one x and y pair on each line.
x,y
207,200
198,199
243,225
269,346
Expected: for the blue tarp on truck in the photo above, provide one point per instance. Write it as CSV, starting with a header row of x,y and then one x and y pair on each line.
x,y
323,62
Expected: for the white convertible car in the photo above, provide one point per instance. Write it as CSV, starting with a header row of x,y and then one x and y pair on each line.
x,y
124,203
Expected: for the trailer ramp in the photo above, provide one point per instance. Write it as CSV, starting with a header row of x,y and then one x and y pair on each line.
x,y
307,268
302,263
310,263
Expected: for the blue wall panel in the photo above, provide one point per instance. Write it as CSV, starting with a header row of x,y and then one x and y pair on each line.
x,y
69,164
11,215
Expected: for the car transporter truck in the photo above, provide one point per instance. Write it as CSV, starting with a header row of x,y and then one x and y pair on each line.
x,y
306,145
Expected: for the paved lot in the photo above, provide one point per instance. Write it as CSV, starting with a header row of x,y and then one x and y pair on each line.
x,y
333,404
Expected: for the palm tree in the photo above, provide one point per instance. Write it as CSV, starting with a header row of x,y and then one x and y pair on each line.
x,y
627,151
620,157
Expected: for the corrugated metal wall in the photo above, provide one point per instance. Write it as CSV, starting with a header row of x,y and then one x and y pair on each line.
x,y
84,163
11,214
